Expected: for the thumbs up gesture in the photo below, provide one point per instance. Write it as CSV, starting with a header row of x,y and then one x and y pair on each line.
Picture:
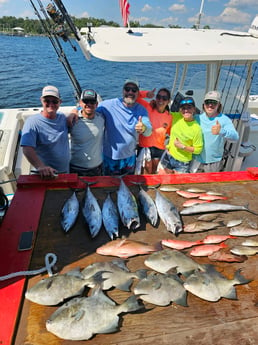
x,y
216,128
140,127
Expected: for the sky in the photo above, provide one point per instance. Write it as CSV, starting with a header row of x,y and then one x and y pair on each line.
x,y
218,14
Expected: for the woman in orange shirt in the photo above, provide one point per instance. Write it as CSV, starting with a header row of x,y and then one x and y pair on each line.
x,y
161,121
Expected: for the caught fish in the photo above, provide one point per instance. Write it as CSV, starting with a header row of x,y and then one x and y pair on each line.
x,y
114,273
127,207
226,257
213,239
110,217
82,317
167,259
206,249
195,190
125,248
233,222
177,244
187,195
168,189
209,217
69,212
242,231
250,242
161,289
211,285
243,250
55,289
168,214
92,213
148,206
191,202
210,197
211,192
214,207
201,226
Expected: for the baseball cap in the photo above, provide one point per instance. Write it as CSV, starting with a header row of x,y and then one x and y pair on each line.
x,y
89,94
132,81
50,91
213,96
187,100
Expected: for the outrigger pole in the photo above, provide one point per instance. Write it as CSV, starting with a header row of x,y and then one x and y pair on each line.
x,y
56,32
199,16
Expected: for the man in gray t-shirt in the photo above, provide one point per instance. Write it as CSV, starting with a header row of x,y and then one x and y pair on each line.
x,y
87,138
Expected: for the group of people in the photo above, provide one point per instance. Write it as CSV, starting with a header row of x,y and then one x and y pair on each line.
x,y
107,136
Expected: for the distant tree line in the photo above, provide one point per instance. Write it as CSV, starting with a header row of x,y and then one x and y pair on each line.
x,y
34,26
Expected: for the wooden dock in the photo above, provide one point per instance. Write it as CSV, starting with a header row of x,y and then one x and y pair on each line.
x,y
37,206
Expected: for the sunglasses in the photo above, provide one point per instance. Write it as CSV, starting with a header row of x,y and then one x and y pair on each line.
x,y
210,101
89,101
48,101
128,89
188,101
165,98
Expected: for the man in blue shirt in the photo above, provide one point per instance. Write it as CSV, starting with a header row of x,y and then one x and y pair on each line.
x,y
216,128
45,136
125,119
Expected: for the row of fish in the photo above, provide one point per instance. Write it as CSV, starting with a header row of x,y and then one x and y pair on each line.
x,y
174,274
126,209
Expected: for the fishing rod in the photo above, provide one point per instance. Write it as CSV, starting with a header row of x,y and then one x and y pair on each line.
x,y
237,90
230,83
53,37
228,152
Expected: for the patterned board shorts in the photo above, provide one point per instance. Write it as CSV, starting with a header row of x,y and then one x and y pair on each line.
x,y
169,162
119,166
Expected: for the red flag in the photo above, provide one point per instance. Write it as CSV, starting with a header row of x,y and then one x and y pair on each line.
x,y
124,6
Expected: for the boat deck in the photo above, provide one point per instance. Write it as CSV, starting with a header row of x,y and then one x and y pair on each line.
x,y
36,206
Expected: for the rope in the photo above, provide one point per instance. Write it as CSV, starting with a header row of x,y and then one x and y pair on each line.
x,y
49,264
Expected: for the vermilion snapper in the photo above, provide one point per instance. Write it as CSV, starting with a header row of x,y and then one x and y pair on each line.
x,y
125,248
177,244
213,239
207,249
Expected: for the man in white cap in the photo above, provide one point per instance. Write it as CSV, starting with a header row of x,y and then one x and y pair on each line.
x,y
45,136
125,119
216,128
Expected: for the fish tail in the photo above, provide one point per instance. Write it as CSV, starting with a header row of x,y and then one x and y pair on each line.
x,y
230,236
223,245
239,279
131,304
141,274
158,246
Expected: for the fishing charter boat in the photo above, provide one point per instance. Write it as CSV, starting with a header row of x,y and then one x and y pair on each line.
x,y
36,205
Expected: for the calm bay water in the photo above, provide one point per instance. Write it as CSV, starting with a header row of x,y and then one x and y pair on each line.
x,y
27,64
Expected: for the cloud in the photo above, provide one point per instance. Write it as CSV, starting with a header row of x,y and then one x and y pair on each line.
x,y
177,8
233,16
84,15
241,3
146,8
2,2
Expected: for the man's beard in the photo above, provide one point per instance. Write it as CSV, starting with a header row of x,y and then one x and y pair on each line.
x,y
129,100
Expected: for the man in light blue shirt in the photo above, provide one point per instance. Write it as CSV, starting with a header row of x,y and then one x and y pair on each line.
x,y
216,128
125,119
45,136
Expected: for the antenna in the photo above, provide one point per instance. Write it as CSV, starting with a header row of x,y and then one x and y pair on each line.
x,y
199,16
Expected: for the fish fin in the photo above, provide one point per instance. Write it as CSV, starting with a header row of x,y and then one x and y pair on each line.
x,y
76,272
125,286
239,279
231,294
79,315
131,304
223,245
142,273
182,300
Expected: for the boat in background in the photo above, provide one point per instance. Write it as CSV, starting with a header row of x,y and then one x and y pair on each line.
x,y
223,66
